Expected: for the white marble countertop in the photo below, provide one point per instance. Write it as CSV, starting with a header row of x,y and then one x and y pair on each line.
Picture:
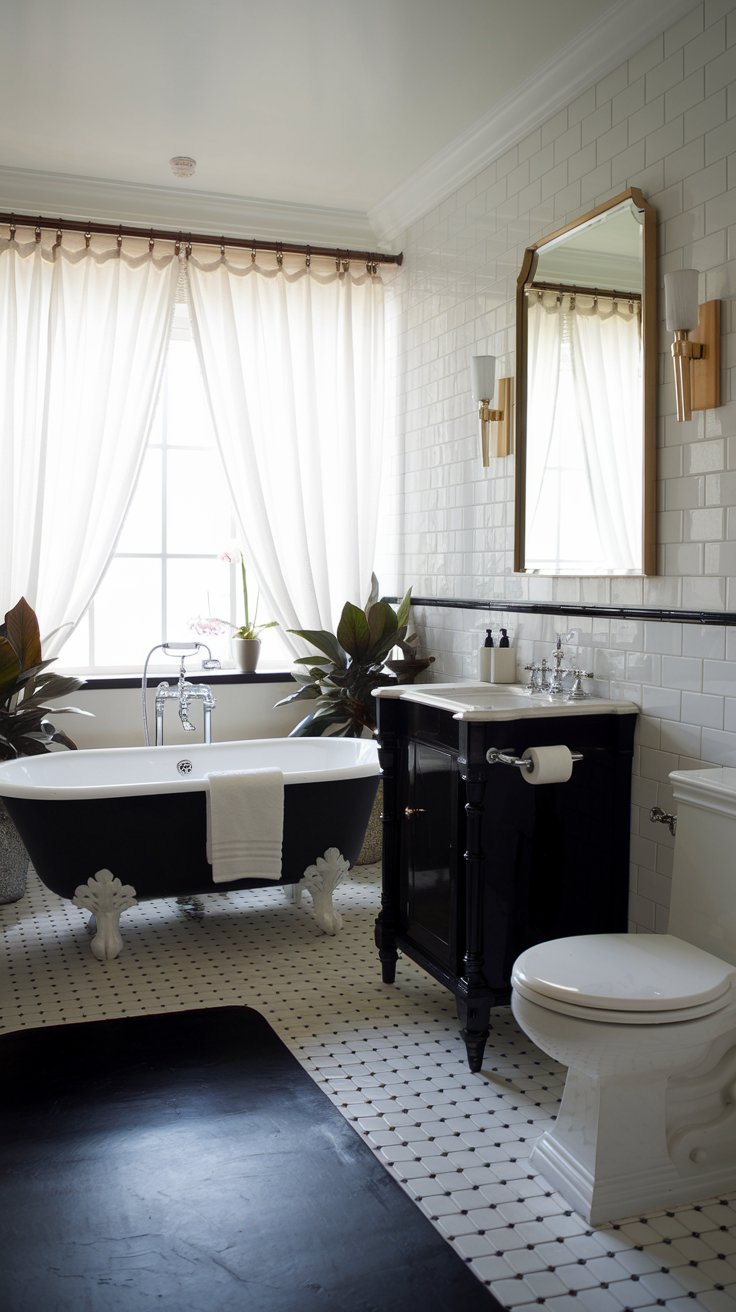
x,y
501,701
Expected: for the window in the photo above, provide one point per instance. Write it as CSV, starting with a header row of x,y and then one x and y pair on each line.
x,y
165,570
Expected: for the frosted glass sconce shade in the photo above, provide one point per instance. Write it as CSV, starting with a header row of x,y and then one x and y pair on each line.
x,y
483,377
482,384
696,346
681,300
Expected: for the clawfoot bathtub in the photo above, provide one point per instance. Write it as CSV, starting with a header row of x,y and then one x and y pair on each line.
x,y
107,828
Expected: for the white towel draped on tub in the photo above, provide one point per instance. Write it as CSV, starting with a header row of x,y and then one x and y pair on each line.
x,y
245,824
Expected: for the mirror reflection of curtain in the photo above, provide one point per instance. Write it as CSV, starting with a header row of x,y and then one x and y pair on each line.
x,y
584,435
293,366
606,360
84,338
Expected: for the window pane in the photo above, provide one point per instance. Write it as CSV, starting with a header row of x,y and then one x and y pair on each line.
x,y
128,613
197,503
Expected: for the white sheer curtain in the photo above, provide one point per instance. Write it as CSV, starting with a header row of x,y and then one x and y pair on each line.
x,y
84,334
606,363
293,361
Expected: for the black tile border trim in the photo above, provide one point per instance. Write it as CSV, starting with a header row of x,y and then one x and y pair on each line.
x,y
719,617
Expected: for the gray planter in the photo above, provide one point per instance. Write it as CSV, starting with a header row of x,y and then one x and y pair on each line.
x,y
13,860
373,842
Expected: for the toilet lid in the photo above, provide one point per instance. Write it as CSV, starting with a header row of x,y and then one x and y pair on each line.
x,y
624,973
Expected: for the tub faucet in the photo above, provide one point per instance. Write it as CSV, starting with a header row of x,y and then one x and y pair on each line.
x,y
183,692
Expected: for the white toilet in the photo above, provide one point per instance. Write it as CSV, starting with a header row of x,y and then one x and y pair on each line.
x,y
646,1024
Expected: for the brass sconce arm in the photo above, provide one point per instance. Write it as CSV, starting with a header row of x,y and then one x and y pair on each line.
x,y
696,333
483,375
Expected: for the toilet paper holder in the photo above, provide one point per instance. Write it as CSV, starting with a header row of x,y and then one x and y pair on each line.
x,y
506,756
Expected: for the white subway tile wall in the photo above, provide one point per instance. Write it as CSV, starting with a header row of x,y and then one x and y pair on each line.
x,y
664,121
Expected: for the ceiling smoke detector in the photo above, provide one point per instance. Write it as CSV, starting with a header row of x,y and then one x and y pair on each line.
x,y
183,166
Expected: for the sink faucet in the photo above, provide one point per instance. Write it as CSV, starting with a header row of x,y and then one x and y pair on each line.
x,y
184,692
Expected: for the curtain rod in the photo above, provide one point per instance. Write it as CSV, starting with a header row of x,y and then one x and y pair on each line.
x,y
567,289
189,239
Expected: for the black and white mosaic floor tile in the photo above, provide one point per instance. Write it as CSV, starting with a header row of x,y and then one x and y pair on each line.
x,y
391,1058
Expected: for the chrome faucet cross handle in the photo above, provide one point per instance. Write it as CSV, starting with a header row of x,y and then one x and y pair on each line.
x,y
577,693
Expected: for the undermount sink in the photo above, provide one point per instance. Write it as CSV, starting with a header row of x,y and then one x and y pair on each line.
x,y
506,701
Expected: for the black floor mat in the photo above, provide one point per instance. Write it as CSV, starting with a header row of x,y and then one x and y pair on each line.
x,y
187,1162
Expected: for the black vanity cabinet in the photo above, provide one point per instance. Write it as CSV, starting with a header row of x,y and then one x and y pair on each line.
x,y
478,864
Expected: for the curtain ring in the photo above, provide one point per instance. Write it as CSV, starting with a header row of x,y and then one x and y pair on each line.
x,y
188,248
222,248
280,255
308,257
337,261
346,266
37,233
151,242
57,243
119,239
253,254
12,227
177,245
87,239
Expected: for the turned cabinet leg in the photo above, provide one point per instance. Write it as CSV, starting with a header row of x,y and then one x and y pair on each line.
x,y
475,1018
385,940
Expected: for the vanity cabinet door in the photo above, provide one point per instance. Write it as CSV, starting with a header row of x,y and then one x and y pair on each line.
x,y
431,852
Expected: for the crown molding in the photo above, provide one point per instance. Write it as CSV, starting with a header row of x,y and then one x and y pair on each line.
x,y
627,28
25,191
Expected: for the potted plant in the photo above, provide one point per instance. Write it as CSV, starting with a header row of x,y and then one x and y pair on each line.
x,y
244,640
341,679
24,727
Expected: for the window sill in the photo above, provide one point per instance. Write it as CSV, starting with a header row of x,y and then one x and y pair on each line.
x,y
108,680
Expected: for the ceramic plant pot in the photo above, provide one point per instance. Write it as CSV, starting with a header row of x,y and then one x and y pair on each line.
x,y
13,860
245,654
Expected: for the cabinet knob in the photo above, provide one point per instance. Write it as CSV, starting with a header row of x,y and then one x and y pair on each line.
x,y
411,811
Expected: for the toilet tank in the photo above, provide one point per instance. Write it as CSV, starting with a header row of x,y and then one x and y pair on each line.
x,y
703,902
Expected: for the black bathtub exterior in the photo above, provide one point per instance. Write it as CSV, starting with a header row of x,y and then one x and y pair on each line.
x,y
156,842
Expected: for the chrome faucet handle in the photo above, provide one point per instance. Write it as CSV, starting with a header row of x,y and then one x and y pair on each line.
x,y
532,685
577,693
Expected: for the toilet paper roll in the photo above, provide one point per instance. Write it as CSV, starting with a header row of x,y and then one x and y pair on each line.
x,y
550,765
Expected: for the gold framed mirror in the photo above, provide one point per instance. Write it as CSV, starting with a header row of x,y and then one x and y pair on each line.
x,y
586,373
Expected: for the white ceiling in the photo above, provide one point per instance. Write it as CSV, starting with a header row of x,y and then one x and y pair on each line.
x,y
345,115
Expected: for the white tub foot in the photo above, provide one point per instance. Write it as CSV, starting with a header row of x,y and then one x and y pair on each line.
x,y
321,880
106,898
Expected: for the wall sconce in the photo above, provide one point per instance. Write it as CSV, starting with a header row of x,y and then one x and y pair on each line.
x,y
483,383
696,345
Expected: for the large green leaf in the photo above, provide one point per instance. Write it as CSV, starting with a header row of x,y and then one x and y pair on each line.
x,y
9,668
383,627
307,692
21,630
353,632
403,609
323,641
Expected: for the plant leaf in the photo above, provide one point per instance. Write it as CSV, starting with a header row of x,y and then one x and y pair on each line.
x,y
402,611
323,641
353,631
372,595
21,630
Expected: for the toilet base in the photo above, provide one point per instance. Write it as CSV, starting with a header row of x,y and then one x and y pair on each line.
x,y
600,1201
621,1147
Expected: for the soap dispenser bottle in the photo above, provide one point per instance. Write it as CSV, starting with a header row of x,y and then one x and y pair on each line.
x,y
486,653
